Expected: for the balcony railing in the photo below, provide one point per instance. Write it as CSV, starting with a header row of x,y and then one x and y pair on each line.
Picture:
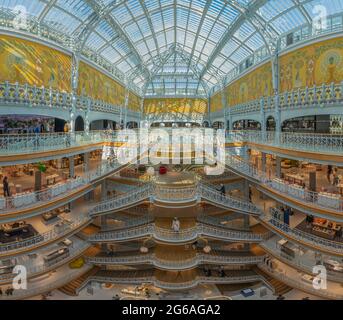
x,y
33,96
317,143
175,195
303,237
177,286
176,264
294,283
41,268
168,235
45,237
302,98
321,200
31,199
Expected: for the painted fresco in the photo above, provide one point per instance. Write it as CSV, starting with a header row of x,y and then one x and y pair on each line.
x,y
134,102
94,84
313,65
30,63
216,102
175,106
252,86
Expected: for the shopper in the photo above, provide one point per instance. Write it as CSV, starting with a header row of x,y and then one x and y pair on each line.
x,y
6,187
222,190
329,172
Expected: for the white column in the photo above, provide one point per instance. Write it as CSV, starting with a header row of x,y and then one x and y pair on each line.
x,y
71,167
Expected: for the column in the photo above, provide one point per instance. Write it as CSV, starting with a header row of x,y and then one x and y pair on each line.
x,y
246,217
86,157
71,167
278,166
264,162
263,119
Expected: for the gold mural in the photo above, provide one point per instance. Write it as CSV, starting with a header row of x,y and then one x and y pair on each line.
x,y
30,63
252,86
175,106
94,84
216,102
134,102
312,65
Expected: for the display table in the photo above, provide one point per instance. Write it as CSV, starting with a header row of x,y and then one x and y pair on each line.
x,y
51,179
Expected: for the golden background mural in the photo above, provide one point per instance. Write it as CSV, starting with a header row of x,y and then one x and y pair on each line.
x,y
94,84
312,65
216,102
30,63
134,102
175,105
252,86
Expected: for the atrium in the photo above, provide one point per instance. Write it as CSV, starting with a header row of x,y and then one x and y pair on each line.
x,y
171,149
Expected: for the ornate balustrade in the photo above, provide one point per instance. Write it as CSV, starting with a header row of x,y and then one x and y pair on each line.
x,y
45,237
175,264
297,283
243,168
213,195
175,195
31,199
168,235
33,96
331,143
40,268
31,142
302,98
177,286
303,237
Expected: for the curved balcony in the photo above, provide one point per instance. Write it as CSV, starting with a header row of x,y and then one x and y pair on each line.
x,y
299,261
30,143
173,195
53,235
31,201
32,96
296,99
34,270
189,263
302,142
170,236
148,277
306,239
55,281
315,201
293,282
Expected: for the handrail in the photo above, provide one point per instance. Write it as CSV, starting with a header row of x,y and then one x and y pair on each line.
x,y
44,237
296,99
299,285
310,142
297,234
175,286
151,190
42,267
183,235
244,168
198,259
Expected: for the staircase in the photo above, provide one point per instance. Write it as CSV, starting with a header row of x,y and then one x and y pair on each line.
x,y
279,287
73,287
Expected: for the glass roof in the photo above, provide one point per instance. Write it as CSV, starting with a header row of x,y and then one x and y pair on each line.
x,y
175,47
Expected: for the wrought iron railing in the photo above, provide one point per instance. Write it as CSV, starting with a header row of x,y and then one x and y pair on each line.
x,y
318,199
168,235
303,237
297,283
43,238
